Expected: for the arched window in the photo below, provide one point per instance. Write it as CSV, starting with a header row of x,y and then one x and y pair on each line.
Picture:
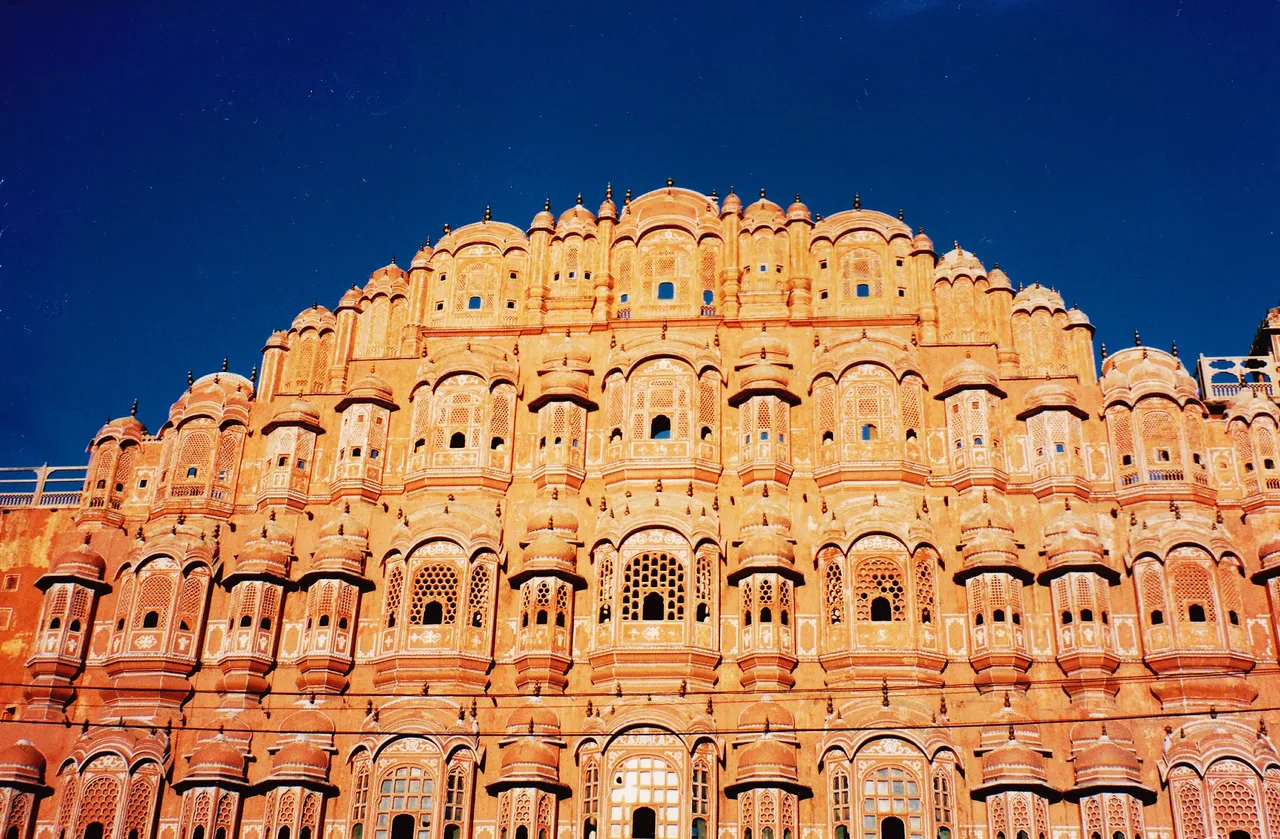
x,y
644,822
660,428
869,432
457,440
1067,618
666,291
473,303
151,620
283,832
1195,613
402,825
198,833
654,607
1157,617
892,827
881,610
863,290
653,584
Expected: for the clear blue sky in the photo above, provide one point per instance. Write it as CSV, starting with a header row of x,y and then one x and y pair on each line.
x,y
177,180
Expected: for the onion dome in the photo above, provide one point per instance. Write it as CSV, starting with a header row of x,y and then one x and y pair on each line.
x,y
300,762
223,397
79,564
1013,766
215,761
299,413
996,278
921,243
797,211
371,388
22,765
350,299
266,556
608,209
762,213
1051,396
1135,372
344,545
732,204
1073,543
969,375
766,714
1036,296
543,220
553,516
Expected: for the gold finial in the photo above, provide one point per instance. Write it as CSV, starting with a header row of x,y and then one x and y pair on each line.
x,y
626,199
191,379
762,195
857,201
608,192
956,242
1174,349
393,259
133,412
797,198
884,692
818,217
1104,351
224,364
546,205
1137,339
487,216
446,228
670,183
579,199
899,214
713,193
427,243
731,189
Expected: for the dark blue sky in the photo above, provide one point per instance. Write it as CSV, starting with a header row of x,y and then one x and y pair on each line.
x,y
178,181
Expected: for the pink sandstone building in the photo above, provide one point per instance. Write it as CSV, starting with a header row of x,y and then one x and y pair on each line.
x,y
682,518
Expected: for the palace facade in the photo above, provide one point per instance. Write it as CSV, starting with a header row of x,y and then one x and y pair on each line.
x,y
682,518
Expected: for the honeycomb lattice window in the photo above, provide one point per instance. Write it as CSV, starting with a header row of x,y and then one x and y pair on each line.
x,y
879,579
155,594
434,594
924,585
833,586
1233,797
478,597
394,588
98,803
653,588
1189,804
1192,586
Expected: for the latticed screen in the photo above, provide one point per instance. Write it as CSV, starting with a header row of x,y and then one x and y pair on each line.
x,y
879,577
653,588
833,585
891,792
405,791
434,595
1192,585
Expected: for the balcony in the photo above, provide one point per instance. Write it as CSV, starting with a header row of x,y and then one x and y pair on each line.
x,y
46,487
1222,377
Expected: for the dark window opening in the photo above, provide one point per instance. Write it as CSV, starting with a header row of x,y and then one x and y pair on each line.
x,y
660,427
473,303
926,616
282,460
74,626
828,437
355,452
192,472
1157,617
93,831
150,620
653,608
1017,619
666,291
998,616
265,623
1086,615
1067,618
1127,460
881,610
246,620
560,619
56,623
706,434
457,440
893,828
708,297
979,620
869,432
1195,613
766,615
402,827
1233,617
863,290
615,436
433,613
324,620
541,620
824,294
704,613
496,444
342,623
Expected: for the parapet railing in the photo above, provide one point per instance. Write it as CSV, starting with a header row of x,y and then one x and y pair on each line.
x,y
1222,377
48,487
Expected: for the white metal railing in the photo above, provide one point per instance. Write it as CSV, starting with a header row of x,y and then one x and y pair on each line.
x,y
1222,377
44,486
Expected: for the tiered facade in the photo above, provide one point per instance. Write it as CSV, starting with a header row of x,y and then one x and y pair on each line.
x,y
678,519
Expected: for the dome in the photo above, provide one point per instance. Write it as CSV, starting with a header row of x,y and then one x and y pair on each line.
x,y
22,763
391,272
344,524
370,388
528,761
1269,549
732,204
544,720
422,259
608,209
969,375
300,759
766,547
552,546
766,713
1013,765
350,299
767,759
576,216
124,428
922,243
1036,296
1048,397
1248,404
764,347
1071,540
957,262
763,212
80,564
299,412
216,759
555,517
986,514
797,211
997,278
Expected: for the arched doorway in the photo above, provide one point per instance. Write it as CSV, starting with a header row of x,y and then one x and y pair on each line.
x,y
893,828
402,826
644,823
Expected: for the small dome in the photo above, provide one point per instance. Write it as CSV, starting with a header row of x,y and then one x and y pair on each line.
x,y
300,759
81,563
608,209
732,204
544,720
1013,764
969,375
762,212
986,514
764,346
766,547
1050,396
298,412
550,546
422,259
371,385
1248,404
922,243
350,299
124,428
576,216
997,278
1036,296
766,713
1269,550
958,261
344,524
391,272
555,517
22,763
797,211
530,761
1107,757
217,757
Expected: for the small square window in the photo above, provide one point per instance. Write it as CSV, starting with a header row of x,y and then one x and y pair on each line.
x,y
302,464
373,454
623,298
512,275
902,292
444,277
1162,455
440,306
555,276
822,264
192,472
1059,448
573,274
11,582
511,304
778,268
142,484
764,269
823,295
586,275
899,263
473,303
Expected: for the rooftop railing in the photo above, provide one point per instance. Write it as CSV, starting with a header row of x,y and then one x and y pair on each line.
x,y
1222,377
47,487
